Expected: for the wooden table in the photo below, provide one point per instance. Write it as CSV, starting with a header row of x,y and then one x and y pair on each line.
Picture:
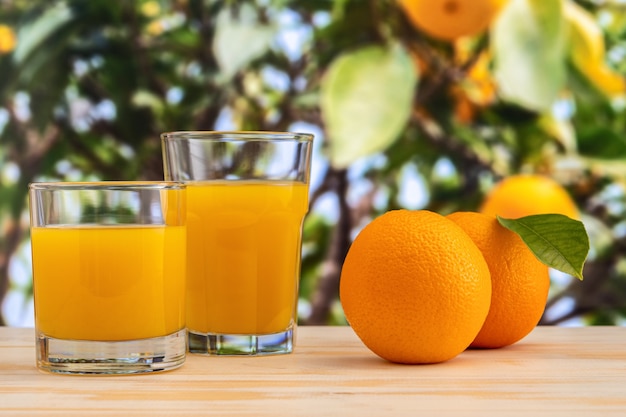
x,y
553,372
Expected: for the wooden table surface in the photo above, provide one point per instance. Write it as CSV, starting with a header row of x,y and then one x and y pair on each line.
x,y
554,371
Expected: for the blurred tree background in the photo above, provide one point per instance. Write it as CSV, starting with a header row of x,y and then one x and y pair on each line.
x,y
405,115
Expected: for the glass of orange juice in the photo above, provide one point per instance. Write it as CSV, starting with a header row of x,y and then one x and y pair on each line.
x,y
109,276
247,195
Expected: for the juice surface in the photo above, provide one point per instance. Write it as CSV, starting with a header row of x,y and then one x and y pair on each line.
x,y
109,283
244,242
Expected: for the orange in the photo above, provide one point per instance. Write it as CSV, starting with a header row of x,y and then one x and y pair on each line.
x,y
519,282
527,194
451,19
414,287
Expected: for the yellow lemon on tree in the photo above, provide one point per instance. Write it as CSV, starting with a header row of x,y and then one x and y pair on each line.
x,y
451,19
414,287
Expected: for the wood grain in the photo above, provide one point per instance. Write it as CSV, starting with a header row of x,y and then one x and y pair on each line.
x,y
555,371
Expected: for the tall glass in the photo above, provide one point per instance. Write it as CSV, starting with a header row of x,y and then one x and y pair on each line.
x,y
247,195
109,276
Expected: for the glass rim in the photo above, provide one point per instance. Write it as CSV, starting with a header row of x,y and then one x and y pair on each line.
x,y
238,135
106,185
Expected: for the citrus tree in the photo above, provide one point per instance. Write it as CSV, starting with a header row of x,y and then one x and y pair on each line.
x,y
414,104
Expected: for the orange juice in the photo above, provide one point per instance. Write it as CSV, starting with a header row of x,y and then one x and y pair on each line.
x,y
109,283
243,247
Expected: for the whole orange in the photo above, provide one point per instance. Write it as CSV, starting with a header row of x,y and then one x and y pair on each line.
x,y
414,287
527,194
519,281
451,19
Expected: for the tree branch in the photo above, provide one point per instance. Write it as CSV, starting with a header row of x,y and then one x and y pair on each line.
x,y
450,145
328,286
29,162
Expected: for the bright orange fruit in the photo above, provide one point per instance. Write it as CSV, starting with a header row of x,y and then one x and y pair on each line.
x,y
414,287
527,194
451,19
519,281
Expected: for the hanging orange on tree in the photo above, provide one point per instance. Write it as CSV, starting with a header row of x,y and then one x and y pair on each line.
x,y
451,19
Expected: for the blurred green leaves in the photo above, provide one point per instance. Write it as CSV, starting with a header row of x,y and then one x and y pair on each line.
x,y
240,38
366,98
33,34
400,118
587,51
529,40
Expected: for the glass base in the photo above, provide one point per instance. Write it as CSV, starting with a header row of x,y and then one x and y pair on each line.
x,y
112,357
250,345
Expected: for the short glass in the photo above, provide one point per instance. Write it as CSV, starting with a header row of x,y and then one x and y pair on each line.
x,y
247,195
109,276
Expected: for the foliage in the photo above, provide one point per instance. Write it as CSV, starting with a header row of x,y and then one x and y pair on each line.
x,y
86,87
555,239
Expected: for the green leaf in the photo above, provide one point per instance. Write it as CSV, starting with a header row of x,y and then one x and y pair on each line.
x,y
240,38
529,50
145,98
601,141
30,36
556,240
366,98
587,51
561,130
